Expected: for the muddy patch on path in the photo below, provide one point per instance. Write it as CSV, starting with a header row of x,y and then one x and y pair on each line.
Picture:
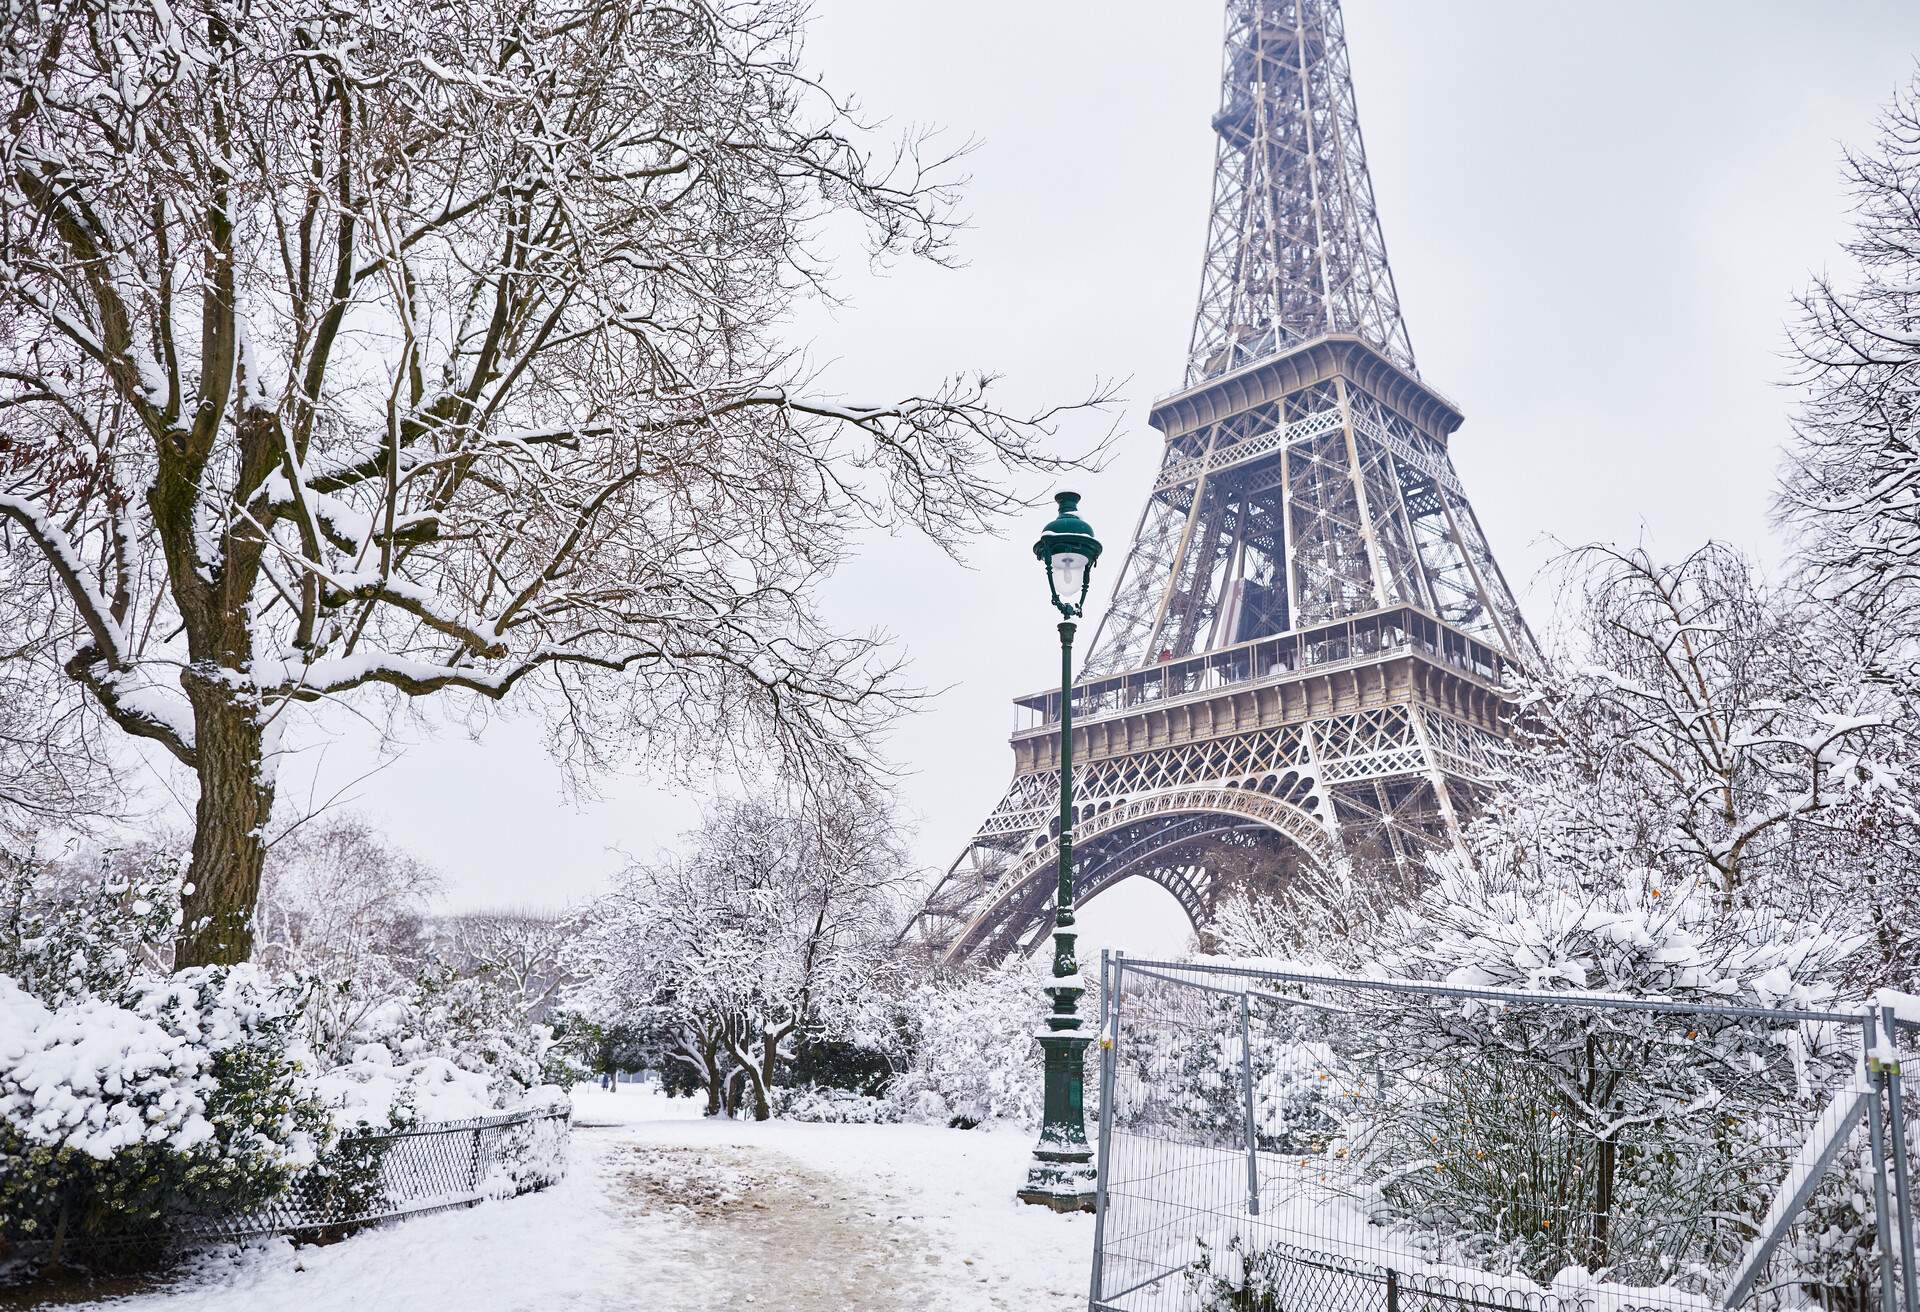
x,y
751,1228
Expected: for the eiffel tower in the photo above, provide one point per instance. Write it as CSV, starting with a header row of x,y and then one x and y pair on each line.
x,y
1302,659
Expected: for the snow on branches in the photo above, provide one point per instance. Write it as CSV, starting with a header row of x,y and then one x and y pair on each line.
x,y
1706,729
401,348
1853,478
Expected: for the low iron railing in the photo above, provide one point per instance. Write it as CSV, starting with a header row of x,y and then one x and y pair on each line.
x,y
365,1179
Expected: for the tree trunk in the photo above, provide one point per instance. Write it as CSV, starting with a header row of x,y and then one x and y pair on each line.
x,y
762,1109
230,824
1606,1172
716,1082
769,1059
747,1069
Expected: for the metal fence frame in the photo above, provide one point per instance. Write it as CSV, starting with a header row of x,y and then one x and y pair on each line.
x,y
1876,1094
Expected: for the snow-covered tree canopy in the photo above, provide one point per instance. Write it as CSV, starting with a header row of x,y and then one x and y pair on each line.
x,y
518,949
772,925
396,346
1709,734
1708,714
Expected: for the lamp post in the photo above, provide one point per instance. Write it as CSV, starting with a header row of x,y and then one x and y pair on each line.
x,y
1061,1175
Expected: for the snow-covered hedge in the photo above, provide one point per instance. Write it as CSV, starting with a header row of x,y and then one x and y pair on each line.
x,y
187,1097
180,1095
132,1100
835,1106
447,1049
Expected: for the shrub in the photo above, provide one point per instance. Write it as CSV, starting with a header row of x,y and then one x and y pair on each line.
x,y
182,1096
1245,1279
839,1064
834,1106
973,1058
68,934
449,1048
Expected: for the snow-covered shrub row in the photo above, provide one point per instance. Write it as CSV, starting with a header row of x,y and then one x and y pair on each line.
x,y
447,1049
835,1106
972,1056
189,1095
129,1096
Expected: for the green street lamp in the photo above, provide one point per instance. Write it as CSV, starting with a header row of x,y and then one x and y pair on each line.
x,y
1061,1175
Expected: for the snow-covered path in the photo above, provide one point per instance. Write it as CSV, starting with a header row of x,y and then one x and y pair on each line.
x,y
664,1211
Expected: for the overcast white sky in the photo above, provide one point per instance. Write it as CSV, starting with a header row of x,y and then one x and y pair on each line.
x,y
1595,215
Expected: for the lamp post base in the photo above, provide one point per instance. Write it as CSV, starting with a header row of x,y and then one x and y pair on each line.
x,y
1062,1174
1066,1182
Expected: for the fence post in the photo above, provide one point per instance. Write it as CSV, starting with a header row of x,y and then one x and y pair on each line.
x,y
1876,1134
1393,1290
1246,1095
474,1164
1109,1058
1902,1182
1106,987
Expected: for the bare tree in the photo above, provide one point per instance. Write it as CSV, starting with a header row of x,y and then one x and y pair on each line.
x,y
337,892
1852,488
413,349
344,908
520,949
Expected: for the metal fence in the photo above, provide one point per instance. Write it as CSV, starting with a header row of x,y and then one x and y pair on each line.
x,y
1278,1140
378,1177
364,1179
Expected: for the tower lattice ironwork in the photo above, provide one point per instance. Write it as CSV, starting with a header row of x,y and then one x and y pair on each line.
x,y
1303,652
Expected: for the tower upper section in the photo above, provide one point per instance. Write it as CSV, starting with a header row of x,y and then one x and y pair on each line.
x,y
1294,249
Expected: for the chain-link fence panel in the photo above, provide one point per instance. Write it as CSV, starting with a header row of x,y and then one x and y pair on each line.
x,y
1274,1140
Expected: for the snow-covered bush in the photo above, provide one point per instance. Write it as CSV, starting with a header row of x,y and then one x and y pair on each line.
x,y
533,1154
448,1048
181,1096
1241,1277
835,1106
131,1099
1181,1072
1530,1138
71,931
973,1055
1293,1109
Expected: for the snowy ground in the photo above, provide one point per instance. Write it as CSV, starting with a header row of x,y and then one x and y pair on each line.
x,y
665,1211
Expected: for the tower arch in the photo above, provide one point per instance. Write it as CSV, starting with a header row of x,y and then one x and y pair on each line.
x,y
1181,839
